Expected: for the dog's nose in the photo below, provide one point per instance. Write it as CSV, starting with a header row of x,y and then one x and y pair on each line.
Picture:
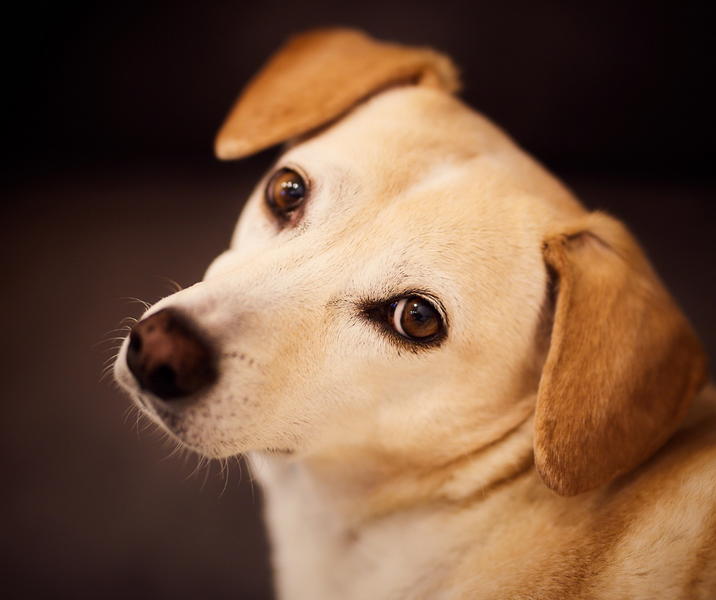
x,y
167,357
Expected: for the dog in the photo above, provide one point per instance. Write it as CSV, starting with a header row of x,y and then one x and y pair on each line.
x,y
452,379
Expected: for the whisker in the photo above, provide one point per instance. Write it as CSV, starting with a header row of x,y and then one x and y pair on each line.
x,y
207,465
199,464
132,300
121,327
128,412
173,285
108,367
252,471
116,338
116,350
170,441
124,324
224,473
109,363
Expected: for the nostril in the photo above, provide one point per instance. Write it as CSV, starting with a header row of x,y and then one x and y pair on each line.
x,y
168,357
163,383
135,341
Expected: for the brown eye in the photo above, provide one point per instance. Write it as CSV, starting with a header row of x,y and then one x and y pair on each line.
x,y
285,191
415,318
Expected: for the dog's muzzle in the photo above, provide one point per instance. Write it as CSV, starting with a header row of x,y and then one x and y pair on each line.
x,y
168,357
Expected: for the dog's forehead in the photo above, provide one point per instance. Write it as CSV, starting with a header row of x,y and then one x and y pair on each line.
x,y
409,139
394,139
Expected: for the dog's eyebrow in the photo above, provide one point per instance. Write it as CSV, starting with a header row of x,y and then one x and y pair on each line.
x,y
389,283
380,295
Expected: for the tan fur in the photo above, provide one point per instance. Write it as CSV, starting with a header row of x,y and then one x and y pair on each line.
x,y
397,471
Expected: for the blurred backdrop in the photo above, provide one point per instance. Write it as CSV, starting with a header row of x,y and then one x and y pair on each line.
x,y
109,187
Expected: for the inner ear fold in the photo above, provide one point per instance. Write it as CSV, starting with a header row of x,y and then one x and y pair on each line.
x,y
623,363
317,77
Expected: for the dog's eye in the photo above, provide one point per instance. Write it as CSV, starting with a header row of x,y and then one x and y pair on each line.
x,y
285,191
414,318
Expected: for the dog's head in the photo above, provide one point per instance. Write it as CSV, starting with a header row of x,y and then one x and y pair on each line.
x,y
407,282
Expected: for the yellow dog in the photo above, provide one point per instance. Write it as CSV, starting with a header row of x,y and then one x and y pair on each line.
x,y
453,380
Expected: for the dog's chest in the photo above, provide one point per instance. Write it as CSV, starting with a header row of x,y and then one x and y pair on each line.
x,y
317,555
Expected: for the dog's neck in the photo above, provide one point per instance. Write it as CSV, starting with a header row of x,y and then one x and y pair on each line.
x,y
324,513
365,485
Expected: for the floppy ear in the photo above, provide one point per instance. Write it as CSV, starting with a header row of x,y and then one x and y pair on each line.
x,y
317,77
623,363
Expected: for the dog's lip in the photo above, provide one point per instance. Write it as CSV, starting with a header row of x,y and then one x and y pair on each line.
x,y
171,420
151,406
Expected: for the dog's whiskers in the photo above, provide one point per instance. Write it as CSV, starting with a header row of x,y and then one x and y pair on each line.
x,y
124,327
113,339
253,472
224,473
173,285
133,300
112,358
108,366
203,464
178,447
128,412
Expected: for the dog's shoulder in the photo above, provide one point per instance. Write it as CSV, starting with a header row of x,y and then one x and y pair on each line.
x,y
665,537
648,534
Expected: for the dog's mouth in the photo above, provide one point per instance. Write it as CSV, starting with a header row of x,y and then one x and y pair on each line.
x,y
181,426
167,418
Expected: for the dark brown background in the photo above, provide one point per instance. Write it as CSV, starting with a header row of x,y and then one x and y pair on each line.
x,y
108,115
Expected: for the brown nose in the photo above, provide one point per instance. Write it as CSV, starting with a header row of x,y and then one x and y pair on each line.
x,y
167,357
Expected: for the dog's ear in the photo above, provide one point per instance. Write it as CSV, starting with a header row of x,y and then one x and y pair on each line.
x,y
623,363
317,77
